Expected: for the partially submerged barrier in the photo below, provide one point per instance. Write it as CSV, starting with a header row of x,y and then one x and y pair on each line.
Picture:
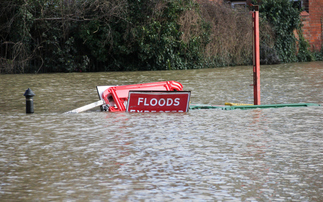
x,y
116,97
165,96
248,106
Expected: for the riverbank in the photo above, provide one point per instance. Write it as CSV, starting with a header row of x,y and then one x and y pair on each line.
x,y
125,35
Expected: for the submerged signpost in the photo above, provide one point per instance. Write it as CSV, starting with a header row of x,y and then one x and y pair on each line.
x,y
158,101
256,56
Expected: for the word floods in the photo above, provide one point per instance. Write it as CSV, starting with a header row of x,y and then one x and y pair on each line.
x,y
158,101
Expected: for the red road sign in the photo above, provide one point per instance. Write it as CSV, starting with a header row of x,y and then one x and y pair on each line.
x,y
158,101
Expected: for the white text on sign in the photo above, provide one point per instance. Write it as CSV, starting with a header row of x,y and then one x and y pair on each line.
x,y
161,102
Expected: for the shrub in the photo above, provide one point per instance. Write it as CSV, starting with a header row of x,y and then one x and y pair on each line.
x,y
284,19
230,40
151,37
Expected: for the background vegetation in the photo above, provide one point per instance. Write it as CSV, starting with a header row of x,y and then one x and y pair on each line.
x,y
283,18
108,35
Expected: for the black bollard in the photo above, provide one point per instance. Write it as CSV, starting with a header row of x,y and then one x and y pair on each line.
x,y
29,94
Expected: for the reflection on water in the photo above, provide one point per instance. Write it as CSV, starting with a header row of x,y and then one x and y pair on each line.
x,y
202,155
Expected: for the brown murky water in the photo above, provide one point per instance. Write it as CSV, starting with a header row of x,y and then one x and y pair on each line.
x,y
202,155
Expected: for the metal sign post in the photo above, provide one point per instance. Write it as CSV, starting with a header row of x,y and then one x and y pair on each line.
x,y
256,56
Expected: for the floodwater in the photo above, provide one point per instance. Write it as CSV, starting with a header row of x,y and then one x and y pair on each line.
x,y
201,155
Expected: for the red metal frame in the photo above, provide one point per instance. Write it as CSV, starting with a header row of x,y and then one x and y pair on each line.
x,y
119,94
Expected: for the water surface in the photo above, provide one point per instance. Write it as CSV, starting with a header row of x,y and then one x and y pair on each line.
x,y
202,155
